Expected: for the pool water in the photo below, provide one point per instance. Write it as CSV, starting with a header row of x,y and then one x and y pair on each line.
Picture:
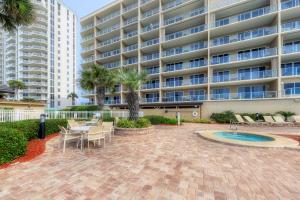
x,y
244,137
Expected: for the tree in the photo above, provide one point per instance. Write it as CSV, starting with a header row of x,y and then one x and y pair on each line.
x,y
14,13
97,78
73,96
132,80
16,85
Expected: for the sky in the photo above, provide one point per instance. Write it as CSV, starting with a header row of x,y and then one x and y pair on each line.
x,y
81,9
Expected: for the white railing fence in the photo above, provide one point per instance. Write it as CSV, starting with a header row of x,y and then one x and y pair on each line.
x,y
17,115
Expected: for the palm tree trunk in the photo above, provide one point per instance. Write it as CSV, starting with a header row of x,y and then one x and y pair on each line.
x,y
100,95
133,105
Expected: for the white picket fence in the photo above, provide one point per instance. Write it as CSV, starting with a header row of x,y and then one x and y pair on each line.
x,y
17,115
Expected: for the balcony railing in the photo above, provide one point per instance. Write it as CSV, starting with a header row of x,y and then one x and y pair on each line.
x,y
245,76
130,7
112,65
150,13
89,48
87,27
185,66
174,4
130,34
146,1
150,27
34,47
150,42
148,86
185,49
185,16
150,100
152,70
191,98
108,17
244,56
187,82
290,4
108,30
33,62
149,57
112,102
34,54
186,32
290,26
131,48
109,54
245,95
131,20
244,16
88,60
247,35
291,92
291,49
90,37
131,61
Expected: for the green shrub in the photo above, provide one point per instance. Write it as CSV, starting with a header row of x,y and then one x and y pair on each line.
x,y
52,125
286,114
156,120
83,108
201,121
142,123
224,117
29,128
13,144
107,117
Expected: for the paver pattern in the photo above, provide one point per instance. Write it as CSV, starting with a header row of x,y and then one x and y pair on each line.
x,y
172,163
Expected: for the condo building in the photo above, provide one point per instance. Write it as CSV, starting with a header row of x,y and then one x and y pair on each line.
x,y
240,55
43,55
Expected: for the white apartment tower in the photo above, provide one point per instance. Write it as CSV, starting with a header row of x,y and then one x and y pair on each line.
x,y
43,55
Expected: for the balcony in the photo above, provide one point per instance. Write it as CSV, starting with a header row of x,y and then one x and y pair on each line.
x,y
150,100
86,93
150,42
174,4
247,35
88,60
290,4
179,18
130,61
107,54
130,34
291,26
185,49
291,92
34,62
149,86
190,98
87,38
184,66
151,57
108,17
150,13
130,7
186,82
244,16
112,101
245,56
245,95
130,21
89,48
143,2
290,49
87,27
244,76
112,65
108,30
32,69
129,48
152,70
150,27
26,76
184,33
35,91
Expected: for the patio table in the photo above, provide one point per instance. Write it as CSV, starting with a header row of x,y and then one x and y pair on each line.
x,y
82,130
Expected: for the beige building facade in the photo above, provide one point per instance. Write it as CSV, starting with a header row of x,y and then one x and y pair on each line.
x,y
202,56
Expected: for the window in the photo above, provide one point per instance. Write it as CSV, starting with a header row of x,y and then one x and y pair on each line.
x,y
220,93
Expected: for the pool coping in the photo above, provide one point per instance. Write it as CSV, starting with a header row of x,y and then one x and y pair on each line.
x,y
278,142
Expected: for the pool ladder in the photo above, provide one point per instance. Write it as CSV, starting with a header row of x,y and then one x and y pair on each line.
x,y
233,125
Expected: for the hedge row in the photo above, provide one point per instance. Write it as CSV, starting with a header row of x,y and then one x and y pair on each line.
x,y
83,108
14,136
156,120
140,123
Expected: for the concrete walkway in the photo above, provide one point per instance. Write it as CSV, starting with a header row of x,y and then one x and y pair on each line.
x,y
173,163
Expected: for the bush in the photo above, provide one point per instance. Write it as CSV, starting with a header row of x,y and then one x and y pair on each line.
x,y
224,117
156,120
52,125
83,108
140,123
29,128
201,121
107,118
286,114
13,144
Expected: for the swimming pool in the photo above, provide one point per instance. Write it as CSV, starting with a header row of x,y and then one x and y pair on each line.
x,y
244,136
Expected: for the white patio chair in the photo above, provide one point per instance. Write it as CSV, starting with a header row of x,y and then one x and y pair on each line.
x,y
108,129
67,136
95,134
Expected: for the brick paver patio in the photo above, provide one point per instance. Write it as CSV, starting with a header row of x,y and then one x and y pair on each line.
x,y
173,163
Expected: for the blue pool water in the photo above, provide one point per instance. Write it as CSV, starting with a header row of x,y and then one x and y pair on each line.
x,y
244,137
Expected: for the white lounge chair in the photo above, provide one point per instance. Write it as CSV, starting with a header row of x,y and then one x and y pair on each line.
x,y
240,119
270,120
252,122
279,120
296,119
67,136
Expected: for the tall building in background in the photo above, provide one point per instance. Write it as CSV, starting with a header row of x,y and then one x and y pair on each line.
x,y
214,54
43,55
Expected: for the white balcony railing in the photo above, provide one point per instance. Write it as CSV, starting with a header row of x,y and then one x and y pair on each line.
x,y
185,16
245,95
185,82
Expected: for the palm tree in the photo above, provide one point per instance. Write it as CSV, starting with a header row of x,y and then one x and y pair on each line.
x,y
132,80
97,78
16,85
14,13
73,96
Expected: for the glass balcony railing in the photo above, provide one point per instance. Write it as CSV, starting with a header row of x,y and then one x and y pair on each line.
x,y
188,82
146,1
89,48
191,98
150,27
34,62
108,17
185,49
87,27
174,4
131,61
130,7
244,16
290,26
148,86
244,95
289,4
109,54
190,31
152,70
34,47
89,37
289,49
112,101
185,16
131,48
112,65
131,20
244,76
291,92
130,34
88,60
150,42
150,100
108,30
184,66
246,55
149,57
150,13
247,35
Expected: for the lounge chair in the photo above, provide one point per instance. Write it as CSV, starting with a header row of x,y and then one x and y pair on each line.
x,y
250,121
95,134
297,119
108,129
67,136
240,119
279,120
270,120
